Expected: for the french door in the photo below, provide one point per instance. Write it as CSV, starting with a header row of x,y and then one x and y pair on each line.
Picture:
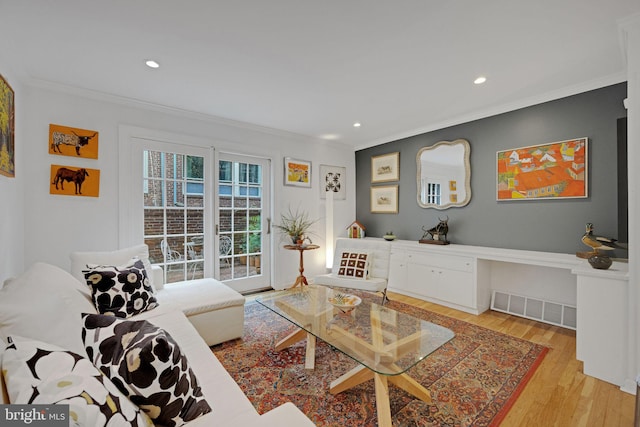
x,y
176,191
242,221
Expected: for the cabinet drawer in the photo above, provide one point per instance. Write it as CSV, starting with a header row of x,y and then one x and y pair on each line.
x,y
449,262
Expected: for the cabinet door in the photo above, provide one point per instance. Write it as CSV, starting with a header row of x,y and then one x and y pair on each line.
x,y
398,270
452,286
422,280
457,287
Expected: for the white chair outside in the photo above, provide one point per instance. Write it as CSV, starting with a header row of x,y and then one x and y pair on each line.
x,y
225,248
170,255
195,255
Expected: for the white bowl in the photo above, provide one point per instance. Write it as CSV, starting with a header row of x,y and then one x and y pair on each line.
x,y
348,301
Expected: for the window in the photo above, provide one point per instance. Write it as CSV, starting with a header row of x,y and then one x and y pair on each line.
x,y
434,194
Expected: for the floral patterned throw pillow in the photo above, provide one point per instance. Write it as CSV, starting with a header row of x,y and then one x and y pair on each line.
x,y
120,291
146,364
39,373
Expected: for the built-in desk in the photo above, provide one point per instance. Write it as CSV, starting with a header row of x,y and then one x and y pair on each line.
x,y
550,287
465,277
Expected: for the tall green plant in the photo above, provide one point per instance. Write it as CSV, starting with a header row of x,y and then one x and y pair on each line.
x,y
295,224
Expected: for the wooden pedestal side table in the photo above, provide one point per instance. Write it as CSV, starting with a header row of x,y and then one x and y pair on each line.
x,y
301,280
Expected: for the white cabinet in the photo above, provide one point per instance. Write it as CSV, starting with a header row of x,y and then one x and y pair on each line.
x,y
462,277
601,336
442,278
397,268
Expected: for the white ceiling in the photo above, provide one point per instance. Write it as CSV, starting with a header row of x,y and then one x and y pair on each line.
x,y
400,67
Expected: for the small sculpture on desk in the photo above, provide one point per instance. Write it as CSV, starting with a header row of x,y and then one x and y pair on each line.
x,y
437,234
598,243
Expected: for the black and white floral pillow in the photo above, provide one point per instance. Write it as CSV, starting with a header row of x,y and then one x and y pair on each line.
x,y
120,291
146,364
40,373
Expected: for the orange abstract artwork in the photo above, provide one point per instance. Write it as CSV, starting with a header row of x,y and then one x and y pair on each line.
x,y
67,141
74,181
556,170
297,172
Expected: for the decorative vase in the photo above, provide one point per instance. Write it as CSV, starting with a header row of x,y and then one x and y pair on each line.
x,y
389,237
601,262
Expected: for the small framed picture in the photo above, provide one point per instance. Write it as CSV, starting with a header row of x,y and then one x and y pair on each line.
x,y
453,185
7,130
297,172
384,199
68,141
333,179
74,181
385,168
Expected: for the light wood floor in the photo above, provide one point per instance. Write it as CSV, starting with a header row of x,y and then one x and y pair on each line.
x,y
558,394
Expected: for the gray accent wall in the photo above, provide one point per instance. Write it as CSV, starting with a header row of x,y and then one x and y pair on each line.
x,y
541,225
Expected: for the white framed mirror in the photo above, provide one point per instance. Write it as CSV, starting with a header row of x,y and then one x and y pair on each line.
x,y
444,174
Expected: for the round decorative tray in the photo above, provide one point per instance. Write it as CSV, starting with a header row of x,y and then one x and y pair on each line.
x,y
344,301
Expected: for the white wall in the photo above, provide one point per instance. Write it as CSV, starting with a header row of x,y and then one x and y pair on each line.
x,y
11,192
630,31
58,225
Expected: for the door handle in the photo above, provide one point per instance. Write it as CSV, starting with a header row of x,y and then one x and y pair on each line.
x,y
268,225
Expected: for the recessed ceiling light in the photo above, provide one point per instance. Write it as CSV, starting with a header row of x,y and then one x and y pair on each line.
x,y
480,80
152,64
357,125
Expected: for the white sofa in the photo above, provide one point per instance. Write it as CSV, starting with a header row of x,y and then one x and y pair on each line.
x,y
45,304
379,252
207,303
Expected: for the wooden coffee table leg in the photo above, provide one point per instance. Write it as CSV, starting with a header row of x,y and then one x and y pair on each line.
x,y
356,376
297,336
411,386
310,355
383,407
294,337
360,374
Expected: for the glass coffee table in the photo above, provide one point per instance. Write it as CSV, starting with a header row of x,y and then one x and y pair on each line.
x,y
385,343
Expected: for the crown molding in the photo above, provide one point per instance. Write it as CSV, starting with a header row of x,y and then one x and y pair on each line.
x,y
145,105
505,108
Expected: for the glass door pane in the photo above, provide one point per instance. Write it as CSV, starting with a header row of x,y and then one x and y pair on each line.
x,y
242,199
173,186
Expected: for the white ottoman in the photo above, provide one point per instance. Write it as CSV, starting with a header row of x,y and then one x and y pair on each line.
x,y
214,309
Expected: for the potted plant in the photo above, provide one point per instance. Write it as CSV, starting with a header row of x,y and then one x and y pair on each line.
x,y
295,224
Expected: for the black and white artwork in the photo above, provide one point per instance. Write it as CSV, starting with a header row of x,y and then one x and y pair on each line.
x,y
333,179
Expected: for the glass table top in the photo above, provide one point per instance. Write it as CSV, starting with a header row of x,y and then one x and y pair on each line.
x,y
384,340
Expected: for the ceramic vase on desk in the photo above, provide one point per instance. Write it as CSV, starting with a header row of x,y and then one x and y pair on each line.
x,y
600,262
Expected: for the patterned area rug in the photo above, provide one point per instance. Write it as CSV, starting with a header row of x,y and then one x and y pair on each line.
x,y
473,379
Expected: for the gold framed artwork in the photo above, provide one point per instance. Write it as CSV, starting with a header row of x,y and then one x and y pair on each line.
x,y
7,129
385,168
297,172
68,141
74,181
453,185
384,199
558,170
